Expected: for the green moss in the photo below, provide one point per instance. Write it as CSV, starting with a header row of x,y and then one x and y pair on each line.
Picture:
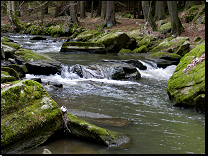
x,y
24,124
28,55
13,45
142,49
11,72
165,28
4,73
147,41
83,129
197,39
170,45
184,88
87,35
169,56
192,9
125,51
4,39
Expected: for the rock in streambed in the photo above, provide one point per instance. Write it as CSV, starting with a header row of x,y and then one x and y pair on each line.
x,y
29,116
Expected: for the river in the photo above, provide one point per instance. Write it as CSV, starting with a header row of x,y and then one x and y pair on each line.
x,y
140,109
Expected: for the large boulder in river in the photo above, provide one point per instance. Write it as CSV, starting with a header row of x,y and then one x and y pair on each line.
x,y
28,116
186,87
114,41
36,63
83,47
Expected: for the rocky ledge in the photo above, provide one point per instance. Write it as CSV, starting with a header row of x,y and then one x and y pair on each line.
x,y
186,87
29,117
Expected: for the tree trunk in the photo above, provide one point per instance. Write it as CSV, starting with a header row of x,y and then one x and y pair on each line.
x,y
99,8
82,10
110,15
159,10
176,25
92,9
12,17
73,12
103,9
148,16
17,8
45,10
139,9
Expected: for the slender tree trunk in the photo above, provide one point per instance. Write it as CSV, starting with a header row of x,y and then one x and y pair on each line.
x,y
134,8
82,9
188,4
73,12
110,14
139,9
148,16
92,9
176,25
17,8
103,9
45,10
159,10
99,8
12,17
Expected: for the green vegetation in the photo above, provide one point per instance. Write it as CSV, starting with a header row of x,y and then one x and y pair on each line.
x,y
184,89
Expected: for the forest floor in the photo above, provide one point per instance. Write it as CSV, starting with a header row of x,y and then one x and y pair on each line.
x,y
191,30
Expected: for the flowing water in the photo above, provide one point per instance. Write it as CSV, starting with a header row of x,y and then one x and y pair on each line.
x,y
140,109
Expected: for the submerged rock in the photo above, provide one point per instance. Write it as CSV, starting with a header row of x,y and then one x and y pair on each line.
x,y
186,87
92,133
38,38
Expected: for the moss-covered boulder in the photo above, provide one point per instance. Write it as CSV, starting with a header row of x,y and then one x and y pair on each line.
x,y
11,72
166,56
2,53
6,77
8,48
92,133
135,34
186,87
147,41
124,51
28,116
178,45
142,49
114,41
87,35
20,69
83,47
36,63
165,28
